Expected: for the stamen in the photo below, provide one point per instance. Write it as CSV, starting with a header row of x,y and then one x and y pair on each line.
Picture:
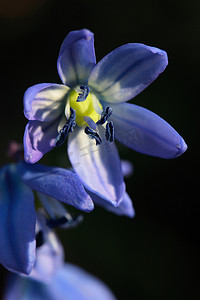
x,y
52,223
59,216
68,127
93,135
109,132
40,240
64,222
45,234
105,115
83,95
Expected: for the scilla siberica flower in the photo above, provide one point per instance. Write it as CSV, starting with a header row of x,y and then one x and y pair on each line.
x,y
89,108
51,278
17,209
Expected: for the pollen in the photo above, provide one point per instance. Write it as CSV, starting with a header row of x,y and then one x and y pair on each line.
x,y
84,108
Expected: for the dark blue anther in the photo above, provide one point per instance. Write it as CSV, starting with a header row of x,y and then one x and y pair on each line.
x,y
93,135
105,115
68,127
72,114
64,222
109,132
40,240
52,223
83,95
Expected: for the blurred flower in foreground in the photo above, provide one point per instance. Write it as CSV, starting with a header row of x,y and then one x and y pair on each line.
x,y
50,278
17,210
89,107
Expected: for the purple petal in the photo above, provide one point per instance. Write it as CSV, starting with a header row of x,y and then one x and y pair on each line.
x,y
61,184
98,167
126,71
45,102
76,58
71,283
17,222
39,138
74,283
125,208
145,132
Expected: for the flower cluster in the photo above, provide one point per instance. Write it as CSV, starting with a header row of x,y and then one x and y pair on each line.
x,y
89,109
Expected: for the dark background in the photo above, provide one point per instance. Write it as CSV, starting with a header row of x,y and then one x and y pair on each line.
x,y
155,255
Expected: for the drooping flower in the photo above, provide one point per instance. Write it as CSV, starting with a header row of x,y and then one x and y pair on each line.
x,y
17,210
89,107
51,278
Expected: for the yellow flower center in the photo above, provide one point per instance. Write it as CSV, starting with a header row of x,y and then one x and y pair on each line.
x,y
84,109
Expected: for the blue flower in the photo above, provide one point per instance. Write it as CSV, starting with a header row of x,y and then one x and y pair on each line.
x,y
17,210
89,108
52,279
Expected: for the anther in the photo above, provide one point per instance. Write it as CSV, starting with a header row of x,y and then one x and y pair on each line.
x,y
93,135
40,240
83,95
52,223
68,127
109,132
64,222
105,115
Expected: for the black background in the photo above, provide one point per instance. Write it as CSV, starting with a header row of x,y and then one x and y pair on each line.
x,y
155,255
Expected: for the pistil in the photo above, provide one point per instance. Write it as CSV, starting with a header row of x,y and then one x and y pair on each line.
x,y
83,113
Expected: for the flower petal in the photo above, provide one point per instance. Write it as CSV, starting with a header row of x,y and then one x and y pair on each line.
x,y
75,283
45,101
71,283
76,58
61,184
126,71
98,167
39,138
125,208
145,132
17,222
